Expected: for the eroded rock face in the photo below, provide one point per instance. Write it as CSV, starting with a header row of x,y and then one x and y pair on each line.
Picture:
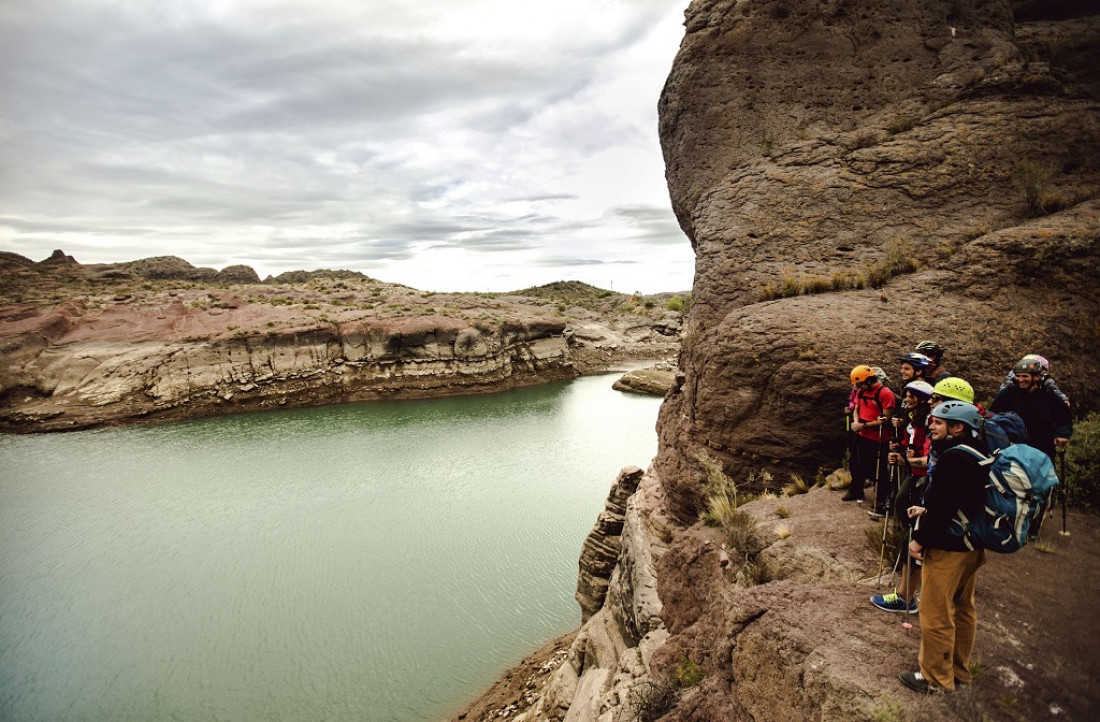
x,y
806,142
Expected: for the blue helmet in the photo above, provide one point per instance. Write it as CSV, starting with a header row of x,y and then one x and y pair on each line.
x,y
959,411
917,360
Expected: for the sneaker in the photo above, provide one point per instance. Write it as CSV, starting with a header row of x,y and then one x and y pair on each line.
x,y
916,682
894,602
850,496
877,513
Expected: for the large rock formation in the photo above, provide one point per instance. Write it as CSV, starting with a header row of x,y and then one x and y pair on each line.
x,y
158,338
816,146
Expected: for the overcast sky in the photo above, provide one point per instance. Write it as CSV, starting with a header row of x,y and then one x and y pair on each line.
x,y
448,145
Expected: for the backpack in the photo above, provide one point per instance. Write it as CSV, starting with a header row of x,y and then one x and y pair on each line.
x,y
888,383
1003,430
1020,481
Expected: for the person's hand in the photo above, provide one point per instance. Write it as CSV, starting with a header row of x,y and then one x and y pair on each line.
x,y
858,426
916,550
894,457
1061,443
914,511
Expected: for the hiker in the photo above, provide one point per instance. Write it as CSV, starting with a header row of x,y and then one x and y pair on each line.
x,y
874,405
951,388
1048,381
914,366
1047,416
936,372
914,445
948,618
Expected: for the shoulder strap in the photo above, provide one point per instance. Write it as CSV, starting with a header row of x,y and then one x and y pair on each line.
x,y
983,459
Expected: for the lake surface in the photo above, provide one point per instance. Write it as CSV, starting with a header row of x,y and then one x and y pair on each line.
x,y
381,562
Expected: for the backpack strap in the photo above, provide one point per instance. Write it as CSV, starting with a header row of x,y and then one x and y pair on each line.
x,y
983,459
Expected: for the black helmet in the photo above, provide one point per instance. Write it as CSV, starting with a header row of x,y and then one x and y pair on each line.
x,y
931,349
1028,365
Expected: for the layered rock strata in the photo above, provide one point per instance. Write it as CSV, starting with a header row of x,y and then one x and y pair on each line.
x,y
120,350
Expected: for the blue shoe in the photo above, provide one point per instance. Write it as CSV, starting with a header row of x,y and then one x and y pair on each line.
x,y
893,602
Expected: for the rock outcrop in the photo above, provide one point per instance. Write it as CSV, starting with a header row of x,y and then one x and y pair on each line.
x,y
857,177
160,339
655,380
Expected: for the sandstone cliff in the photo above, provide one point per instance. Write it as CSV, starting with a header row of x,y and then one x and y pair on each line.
x,y
854,177
158,338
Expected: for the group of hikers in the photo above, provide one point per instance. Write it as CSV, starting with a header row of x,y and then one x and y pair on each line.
x,y
925,459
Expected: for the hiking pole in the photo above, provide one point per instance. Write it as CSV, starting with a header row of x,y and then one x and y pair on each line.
x,y
1062,474
907,625
885,526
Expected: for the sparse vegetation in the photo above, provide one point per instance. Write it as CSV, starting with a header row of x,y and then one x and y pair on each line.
x,y
1082,464
888,709
901,123
688,674
652,700
898,259
1031,179
797,485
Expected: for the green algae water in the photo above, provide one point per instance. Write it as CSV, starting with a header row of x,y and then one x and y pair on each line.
x,y
370,562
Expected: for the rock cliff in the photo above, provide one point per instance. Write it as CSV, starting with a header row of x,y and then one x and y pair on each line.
x,y
159,339
854,177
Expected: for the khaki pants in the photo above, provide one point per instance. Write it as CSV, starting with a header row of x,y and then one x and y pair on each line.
x,y
948,618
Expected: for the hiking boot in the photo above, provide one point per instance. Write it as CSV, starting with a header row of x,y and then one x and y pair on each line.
x,y
877,513
916,682
852,495
894,602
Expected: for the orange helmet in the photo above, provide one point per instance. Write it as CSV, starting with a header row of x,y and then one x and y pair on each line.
x,y
861,373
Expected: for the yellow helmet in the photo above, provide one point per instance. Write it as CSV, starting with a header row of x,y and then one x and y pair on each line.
x,y
954,388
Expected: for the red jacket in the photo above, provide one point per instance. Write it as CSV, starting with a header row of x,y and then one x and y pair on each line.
x,y
870,405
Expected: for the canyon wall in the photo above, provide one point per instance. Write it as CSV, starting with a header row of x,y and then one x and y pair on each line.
x,y
856,177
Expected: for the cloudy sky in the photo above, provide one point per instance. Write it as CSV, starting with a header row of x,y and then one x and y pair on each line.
x,y
446,144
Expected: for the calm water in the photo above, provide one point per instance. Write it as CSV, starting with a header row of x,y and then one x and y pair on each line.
x,y
381,561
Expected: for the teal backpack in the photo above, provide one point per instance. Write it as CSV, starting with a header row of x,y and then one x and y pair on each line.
x,y
1017,491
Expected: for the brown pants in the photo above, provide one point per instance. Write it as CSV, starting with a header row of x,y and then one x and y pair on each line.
x,y
948,619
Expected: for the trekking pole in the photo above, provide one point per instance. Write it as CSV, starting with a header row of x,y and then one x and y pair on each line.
x,y
1062,474
907,625
894,473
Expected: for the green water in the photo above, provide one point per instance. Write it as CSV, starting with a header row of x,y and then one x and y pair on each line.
x,y
381,561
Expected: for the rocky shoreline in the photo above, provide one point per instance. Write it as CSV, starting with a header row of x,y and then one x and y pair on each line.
x,y
84,346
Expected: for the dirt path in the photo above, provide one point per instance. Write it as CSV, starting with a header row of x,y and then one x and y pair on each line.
x,y
1038,643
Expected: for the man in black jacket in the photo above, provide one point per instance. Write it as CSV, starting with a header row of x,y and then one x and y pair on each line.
x,y
948,618
1048,418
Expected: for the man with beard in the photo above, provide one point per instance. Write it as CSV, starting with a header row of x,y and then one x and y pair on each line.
x,y
1046,415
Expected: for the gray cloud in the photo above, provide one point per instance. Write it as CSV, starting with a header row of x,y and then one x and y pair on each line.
x,y
288,134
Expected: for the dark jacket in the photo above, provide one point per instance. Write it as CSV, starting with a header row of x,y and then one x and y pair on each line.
x,y
957,482
1046,416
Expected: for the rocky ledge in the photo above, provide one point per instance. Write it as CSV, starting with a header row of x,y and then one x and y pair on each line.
x,y
773,623
157,339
